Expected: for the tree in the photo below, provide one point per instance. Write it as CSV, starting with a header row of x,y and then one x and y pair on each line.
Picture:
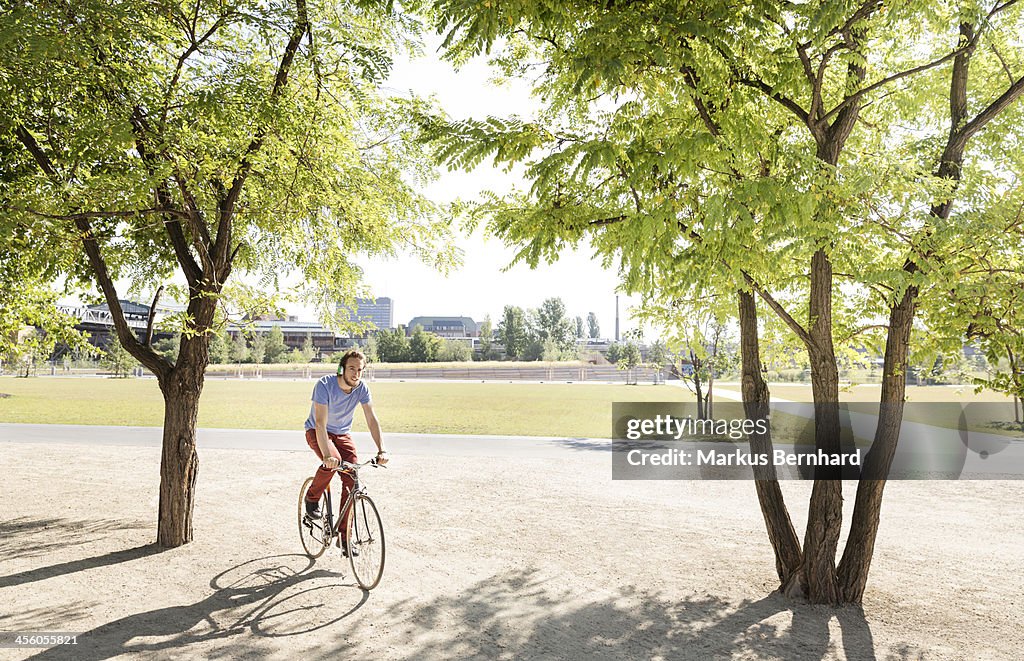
x,y
657,358
487,339
393,346
702,347
258,348
987,306
239,350
370,350
275,345
512,331
552,323
25,351
593,330
629,360
308,350
208,139
453,351
549,351
614,353
791,156
220,347
423,346
118,360
168,347
579,328
533,349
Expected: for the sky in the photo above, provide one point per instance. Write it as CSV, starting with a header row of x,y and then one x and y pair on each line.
x,y
481,287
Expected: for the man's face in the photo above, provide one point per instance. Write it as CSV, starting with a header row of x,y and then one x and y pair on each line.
x,y
353,372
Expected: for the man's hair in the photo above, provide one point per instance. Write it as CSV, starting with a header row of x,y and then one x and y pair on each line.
x,y
354,353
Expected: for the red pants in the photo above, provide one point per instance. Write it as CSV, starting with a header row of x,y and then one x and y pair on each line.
x,y
342,447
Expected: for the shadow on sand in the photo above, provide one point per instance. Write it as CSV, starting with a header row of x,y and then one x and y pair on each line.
x,y
515,615
31,537
264,597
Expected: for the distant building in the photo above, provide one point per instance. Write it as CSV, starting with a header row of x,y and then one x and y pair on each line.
x,y
445,326
295,333
380,312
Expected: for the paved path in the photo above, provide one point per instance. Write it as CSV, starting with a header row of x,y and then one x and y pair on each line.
x,y
979,455
414,444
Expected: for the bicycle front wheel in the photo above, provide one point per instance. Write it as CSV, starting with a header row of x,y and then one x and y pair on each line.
x,y
365,542
314,533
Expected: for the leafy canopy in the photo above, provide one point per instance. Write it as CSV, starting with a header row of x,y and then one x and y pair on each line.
x,y
208,137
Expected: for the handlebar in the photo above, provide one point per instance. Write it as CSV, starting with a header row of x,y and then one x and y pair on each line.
x,y
346,467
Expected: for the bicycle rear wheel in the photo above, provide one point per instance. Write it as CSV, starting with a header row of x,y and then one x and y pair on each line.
x,y
314,533
365,542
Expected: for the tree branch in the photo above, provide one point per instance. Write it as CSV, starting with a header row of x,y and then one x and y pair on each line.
x,y
196,223
600,222
38,154
147,357
1006,68
193,273
783,100
95,214
690,78
152,315
226,208
144,354
992,111
194,46
864,11
897,76
857,331
787,318
999,8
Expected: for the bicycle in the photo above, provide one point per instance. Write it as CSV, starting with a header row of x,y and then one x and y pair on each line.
x,y
364,539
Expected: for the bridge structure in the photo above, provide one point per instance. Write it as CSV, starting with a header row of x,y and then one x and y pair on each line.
x,y
97,321
88,316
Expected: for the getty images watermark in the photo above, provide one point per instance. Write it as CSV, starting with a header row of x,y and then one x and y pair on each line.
x,y
947,440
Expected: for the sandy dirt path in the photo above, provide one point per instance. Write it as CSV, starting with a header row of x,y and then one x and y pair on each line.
x,y
488,558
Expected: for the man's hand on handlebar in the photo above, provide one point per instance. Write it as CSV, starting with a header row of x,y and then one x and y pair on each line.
x,y
382,457
331,462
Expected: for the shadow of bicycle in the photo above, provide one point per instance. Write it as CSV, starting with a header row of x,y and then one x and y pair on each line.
x,y
274,596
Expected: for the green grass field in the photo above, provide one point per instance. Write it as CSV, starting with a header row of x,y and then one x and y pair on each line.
x,y
565,410
869,392
924,405
520,409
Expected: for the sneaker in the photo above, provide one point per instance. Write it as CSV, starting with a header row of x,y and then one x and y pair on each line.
x,y
344,550
313,510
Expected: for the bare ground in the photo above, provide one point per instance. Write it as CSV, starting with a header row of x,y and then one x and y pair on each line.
x,y
490,558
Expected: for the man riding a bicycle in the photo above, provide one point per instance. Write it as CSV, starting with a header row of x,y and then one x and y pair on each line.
x,y
335,398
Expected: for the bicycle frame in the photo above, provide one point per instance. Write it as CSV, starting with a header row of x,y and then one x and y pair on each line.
x,y
357,489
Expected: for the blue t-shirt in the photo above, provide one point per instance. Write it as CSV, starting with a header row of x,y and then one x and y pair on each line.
x,y
340,407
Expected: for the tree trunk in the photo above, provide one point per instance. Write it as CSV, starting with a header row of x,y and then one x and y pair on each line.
x,y
756,398
856,562
1016,378
825,513
182,387
860,546
179,463
709,396
697,365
